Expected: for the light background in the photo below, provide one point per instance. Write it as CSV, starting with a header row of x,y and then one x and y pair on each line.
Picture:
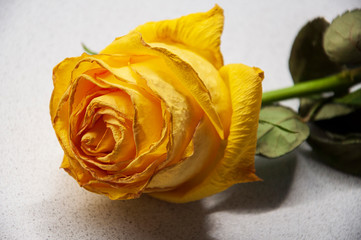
x,y
300,198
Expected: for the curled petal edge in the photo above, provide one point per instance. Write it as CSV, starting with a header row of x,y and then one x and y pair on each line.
x,y
236,165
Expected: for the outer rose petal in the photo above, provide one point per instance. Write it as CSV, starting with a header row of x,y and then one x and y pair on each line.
x,y
61,81
207,145
237,164
75,170
185,112
133,44
58,102
199,32
211,78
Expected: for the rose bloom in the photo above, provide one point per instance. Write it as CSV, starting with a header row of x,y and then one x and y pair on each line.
x,y
157,112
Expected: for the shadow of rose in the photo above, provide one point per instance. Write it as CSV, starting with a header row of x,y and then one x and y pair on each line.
x,y
90,216
348,167
263,196
73,213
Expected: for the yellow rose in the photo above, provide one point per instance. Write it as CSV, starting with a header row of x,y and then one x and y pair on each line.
x,y
157,112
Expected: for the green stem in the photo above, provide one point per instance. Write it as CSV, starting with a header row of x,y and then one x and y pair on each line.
x,y
331,83
87,50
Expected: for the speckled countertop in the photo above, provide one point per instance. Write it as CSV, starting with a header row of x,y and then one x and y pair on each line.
x,y
300,198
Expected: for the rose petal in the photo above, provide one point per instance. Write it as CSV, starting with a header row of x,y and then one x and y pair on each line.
x,y
184,111
133,44
116,191
237,165
206,144
74,169
210,77
61,81
199,32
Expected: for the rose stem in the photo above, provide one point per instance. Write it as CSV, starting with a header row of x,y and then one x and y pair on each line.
x,y
344,79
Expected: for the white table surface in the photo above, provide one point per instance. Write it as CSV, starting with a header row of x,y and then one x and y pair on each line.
x,y
300,198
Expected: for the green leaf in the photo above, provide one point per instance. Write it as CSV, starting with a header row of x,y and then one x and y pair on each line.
x,y
276,125
331,110
308,59
353,99
87,50
338,141
280,131
342,40
318,108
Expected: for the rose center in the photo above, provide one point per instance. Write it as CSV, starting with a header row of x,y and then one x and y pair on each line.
x,y
99,140
102,128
